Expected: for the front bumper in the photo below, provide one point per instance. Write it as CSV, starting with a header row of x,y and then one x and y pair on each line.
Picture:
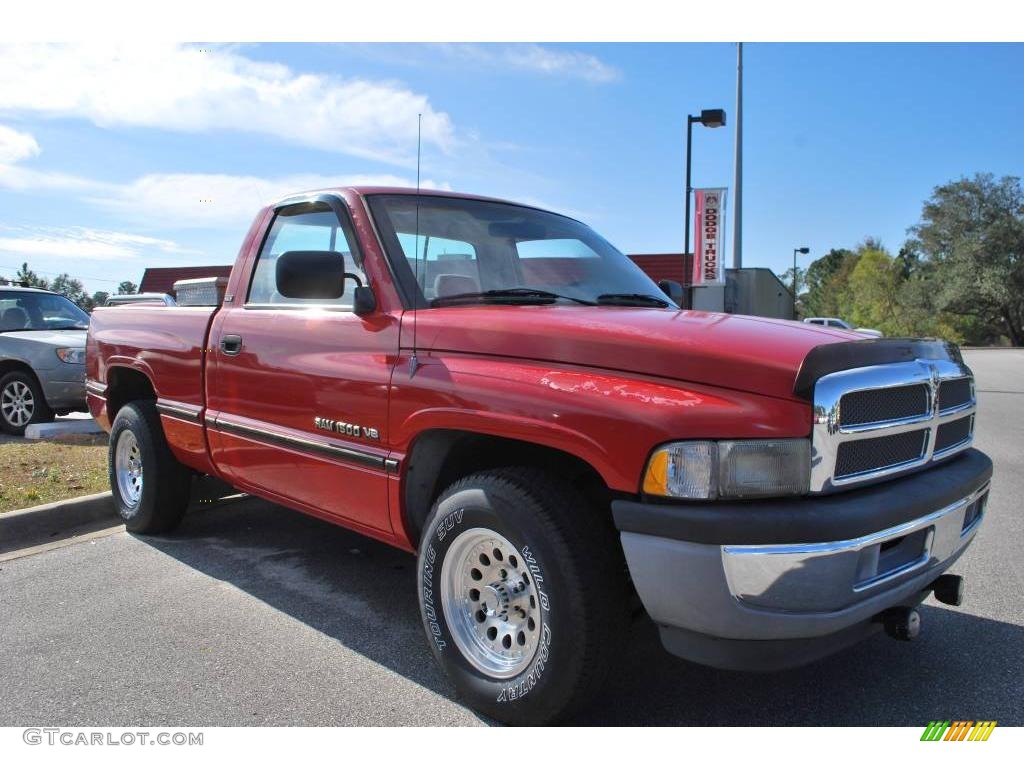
x,y
777,583
64,388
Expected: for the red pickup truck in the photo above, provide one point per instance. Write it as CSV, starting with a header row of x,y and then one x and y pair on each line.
x,y
498,389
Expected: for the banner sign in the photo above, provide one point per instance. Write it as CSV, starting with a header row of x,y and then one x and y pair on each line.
x,y
709,239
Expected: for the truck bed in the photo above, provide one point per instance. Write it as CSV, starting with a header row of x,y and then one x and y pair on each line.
x,y
168,345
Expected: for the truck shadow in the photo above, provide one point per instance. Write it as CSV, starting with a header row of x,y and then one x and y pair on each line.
x,y
960,667
352,588
362,593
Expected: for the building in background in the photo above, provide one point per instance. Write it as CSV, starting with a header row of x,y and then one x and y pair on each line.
x,y
748,291
162,279
665,266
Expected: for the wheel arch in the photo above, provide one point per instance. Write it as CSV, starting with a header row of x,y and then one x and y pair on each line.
x,y
11,365
124,385
439,457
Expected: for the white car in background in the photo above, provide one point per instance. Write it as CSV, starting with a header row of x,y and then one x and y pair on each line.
x,y
835,322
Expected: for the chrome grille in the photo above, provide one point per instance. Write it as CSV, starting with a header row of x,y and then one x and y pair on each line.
x,y
954,433
858,456
872,406
955,393
884,420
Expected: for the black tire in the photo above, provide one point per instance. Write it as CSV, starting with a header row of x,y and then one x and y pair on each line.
x,y
166,483
575,558
11,386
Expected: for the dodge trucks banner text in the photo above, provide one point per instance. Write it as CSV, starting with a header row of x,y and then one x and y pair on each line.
x,y
709,228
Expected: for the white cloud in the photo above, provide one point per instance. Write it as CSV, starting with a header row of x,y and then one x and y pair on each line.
x,y
15,145
180,200
82,243
180,88
23,179
538,58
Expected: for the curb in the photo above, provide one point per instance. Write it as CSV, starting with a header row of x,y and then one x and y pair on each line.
x,y
58,520
55,429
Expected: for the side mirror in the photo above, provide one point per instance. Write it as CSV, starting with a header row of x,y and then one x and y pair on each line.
x,y
311,275
673,290
364,302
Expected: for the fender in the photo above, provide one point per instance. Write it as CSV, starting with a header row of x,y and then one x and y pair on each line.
x,y
132,363
610,420
525,429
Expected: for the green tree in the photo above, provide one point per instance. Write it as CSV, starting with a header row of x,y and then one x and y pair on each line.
x,y
972,231
821,283
99,299
127,286
73,289
918,313
872,298
27,277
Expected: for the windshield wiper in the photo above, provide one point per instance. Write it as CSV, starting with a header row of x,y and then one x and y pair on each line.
x,y
632,300
64,328
507,295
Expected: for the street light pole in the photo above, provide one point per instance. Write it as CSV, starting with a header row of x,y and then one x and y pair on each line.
x,y
804,250
709,118
737,183
689,156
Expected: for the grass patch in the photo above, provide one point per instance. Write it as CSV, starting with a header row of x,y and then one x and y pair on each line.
x,y
40,471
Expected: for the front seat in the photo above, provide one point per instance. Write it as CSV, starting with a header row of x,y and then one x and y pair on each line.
x,y
13,319
450,285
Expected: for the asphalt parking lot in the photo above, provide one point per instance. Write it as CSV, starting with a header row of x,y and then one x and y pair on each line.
x,y
255,615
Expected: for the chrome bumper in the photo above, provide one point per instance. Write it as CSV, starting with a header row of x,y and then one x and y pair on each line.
x,y
708,589
831,576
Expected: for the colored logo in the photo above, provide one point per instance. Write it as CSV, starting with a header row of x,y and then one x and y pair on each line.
x,y
958,730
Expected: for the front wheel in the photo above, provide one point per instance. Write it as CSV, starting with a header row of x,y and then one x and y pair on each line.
x,y
21,403
150,487
523,594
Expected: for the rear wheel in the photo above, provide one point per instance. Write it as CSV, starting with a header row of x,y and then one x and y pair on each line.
x,y
150,487
523,594
21,403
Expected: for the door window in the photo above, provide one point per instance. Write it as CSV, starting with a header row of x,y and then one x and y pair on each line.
x,y
445,266
305,227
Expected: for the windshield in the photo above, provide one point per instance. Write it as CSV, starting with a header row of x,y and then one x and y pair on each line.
x,y
476,252
30,311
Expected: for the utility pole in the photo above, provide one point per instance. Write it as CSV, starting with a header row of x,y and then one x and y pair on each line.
x,y
737,183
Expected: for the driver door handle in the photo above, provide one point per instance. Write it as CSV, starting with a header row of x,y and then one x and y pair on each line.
x,y
231,344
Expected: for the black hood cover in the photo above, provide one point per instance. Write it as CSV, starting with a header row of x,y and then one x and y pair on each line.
x,y
841,356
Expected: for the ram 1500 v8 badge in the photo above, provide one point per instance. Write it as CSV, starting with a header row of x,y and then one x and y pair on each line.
x,y
554,438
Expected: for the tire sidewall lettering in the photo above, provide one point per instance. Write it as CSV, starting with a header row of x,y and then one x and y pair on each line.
x,y
526,681
435,547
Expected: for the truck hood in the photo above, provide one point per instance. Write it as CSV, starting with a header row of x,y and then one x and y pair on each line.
x,y
71,338
752,354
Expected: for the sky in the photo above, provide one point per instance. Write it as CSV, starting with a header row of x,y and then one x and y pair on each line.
x,y
115,158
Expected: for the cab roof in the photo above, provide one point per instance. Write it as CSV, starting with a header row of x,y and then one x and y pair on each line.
x,y
366,190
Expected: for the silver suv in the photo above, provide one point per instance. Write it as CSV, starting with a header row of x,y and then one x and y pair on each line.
x,y
42,357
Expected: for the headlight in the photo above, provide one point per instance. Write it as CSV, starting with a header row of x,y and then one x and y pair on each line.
x,y
71,354
736,469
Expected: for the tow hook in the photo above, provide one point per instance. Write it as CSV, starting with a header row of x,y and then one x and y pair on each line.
x,y
900,623
948,589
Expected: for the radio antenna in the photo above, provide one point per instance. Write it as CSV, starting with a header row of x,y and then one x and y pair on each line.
x,y
414,361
